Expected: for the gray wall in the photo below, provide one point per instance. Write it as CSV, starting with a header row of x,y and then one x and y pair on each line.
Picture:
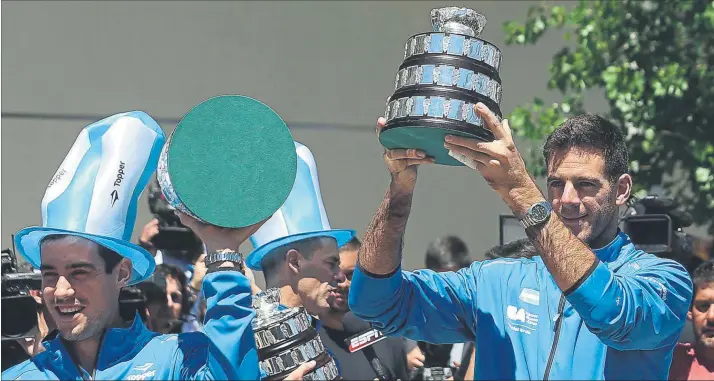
x,y
316,63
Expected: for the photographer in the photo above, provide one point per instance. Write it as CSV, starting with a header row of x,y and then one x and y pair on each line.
x,y
167,239
167,299
18,314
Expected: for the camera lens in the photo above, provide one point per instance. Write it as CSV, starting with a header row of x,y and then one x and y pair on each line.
x,y
21,310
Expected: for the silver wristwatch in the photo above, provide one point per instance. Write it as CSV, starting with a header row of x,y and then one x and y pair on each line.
x,y
537,214
231,256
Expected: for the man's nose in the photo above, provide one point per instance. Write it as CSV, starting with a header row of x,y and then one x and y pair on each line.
x,y
63,289
169,301
570,195
344,286
340,277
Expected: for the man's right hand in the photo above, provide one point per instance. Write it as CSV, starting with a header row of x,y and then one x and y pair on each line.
x,y
148,233
403,163
301,371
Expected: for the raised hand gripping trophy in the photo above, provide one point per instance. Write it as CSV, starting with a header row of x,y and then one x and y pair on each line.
x,y
285,339
443,75
231,162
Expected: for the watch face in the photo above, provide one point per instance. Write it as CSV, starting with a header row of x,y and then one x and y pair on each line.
x,y
539,212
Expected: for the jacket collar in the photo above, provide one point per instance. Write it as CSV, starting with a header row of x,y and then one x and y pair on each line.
x,y
116,345
611,251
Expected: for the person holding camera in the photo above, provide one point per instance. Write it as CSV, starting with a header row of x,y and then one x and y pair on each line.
x,y
167,299
21,349
84,253
590,306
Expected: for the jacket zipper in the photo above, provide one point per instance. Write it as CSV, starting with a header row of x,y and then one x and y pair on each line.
x,y
558,323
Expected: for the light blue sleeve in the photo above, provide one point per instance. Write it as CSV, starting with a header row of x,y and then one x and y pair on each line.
x,y
643,310
232,354
422,305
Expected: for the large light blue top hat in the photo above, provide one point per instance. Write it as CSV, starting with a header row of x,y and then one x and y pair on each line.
x,y
95,192
302,216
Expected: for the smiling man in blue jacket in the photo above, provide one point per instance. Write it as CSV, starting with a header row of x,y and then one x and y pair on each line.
x,y
591,306
84,253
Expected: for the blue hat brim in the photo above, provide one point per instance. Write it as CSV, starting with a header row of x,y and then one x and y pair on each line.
x,y
255,258
28,243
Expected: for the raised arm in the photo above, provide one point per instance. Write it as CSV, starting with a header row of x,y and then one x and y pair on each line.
x,y
644,310
401,302
232,353
381,251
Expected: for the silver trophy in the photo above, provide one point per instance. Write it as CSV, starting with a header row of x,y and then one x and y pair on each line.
x,y
443,75
285,339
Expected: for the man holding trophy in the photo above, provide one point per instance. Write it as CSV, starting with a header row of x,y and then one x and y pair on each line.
x,y
590,306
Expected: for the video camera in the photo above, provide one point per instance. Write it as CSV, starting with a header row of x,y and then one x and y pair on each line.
x,y
174,238
19,307
654,224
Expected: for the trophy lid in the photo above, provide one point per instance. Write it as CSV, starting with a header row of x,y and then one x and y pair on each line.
x,y
458,20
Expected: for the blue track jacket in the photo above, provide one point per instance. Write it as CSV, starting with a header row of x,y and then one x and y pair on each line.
x,y
621,322
226,350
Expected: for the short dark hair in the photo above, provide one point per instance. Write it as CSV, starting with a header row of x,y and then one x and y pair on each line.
x,y
353,245
164,271
703,274
447,251
522,248
110,257
591,132
276,257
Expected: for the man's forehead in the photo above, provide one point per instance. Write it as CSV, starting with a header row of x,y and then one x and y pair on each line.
x,y
575,161
705,291
62,254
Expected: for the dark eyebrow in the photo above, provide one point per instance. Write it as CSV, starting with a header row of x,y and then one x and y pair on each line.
x,y
81,265
575,178
46,267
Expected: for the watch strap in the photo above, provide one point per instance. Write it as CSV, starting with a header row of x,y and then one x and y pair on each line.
x,y
530,219
220,257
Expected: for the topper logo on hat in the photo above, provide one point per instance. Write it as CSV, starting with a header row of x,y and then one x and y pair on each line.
x,y
302,216
230,162
95,191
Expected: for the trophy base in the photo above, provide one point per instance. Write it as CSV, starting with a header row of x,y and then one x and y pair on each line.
x,y
426,138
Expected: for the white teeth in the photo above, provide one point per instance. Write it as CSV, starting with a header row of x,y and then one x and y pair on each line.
x,y
70,310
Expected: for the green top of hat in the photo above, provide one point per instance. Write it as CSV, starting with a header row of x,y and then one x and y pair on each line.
x,y
232,161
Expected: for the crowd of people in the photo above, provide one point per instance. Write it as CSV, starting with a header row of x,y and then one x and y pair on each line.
x,y
575,300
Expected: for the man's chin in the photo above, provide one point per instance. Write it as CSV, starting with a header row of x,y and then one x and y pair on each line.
x,y
707,341
75,334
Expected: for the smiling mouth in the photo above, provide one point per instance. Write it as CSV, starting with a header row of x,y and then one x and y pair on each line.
x,y
69,310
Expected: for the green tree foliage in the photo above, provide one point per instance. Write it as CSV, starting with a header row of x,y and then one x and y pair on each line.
x,y
655,62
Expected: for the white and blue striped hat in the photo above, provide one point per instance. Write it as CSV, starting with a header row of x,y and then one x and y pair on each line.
x,y
95,191
302,216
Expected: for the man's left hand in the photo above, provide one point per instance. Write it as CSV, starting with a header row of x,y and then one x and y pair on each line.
x,y
499,161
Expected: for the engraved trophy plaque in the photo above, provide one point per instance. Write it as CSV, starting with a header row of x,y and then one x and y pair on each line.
x,y
443,75
285,339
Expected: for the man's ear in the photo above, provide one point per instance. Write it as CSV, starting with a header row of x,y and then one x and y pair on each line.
x,y
292,258
123,270
689,315
624,189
